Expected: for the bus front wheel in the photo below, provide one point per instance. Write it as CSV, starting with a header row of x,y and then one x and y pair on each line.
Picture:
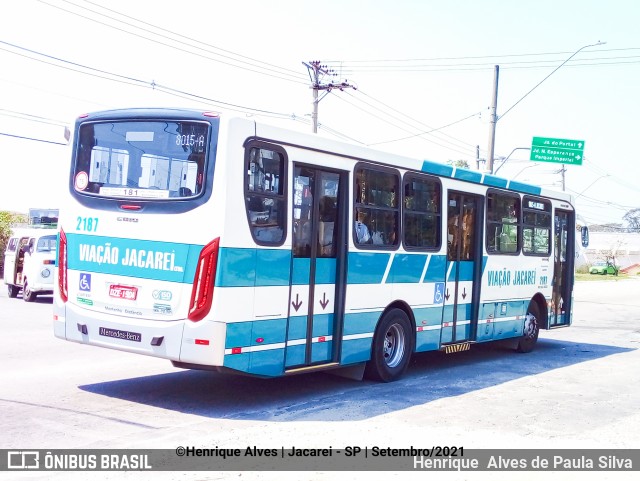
x,y
392,347
531,329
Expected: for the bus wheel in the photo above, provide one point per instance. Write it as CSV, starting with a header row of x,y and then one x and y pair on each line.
x,y
531,329
13,291
392,347
27,294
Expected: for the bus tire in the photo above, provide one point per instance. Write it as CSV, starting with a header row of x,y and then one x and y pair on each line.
x,y
27,294
13,291
392,347
531,329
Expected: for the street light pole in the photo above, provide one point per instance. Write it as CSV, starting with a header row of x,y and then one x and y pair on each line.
x,y
507,157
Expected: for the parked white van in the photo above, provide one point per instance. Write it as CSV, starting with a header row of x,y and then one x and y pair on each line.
x,y
29,262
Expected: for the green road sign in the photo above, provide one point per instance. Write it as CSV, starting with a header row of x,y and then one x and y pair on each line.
x,y
561,151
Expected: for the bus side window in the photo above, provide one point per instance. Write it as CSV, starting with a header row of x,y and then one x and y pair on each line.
x,y
264,195
377,208
503,223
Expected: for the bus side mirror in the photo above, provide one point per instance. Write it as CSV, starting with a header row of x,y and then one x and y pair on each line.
x,y
584,233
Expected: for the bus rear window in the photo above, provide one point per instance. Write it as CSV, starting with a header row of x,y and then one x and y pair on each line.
x,y
156,160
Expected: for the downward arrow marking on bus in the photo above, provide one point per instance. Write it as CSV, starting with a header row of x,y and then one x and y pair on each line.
x,y
296,305
324,300
464,293
446,296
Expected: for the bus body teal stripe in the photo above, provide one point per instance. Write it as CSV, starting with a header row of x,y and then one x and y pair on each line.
x,y
256,333
428,340
465,271
325,270
437,168
253,267
261,363
273,267
437,269
355,350
360,322
428,316
367,267
406,268
144,259
526,188
236,267
300,273
468,175
493,181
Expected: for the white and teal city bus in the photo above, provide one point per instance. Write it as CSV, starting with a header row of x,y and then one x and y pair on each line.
x,y
222,243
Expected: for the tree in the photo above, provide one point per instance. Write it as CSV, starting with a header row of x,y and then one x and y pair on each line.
x,y
459,163
7,221
633,219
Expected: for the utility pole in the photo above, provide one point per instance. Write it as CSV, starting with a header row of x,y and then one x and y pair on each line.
x,y
494,102
493,120
316,72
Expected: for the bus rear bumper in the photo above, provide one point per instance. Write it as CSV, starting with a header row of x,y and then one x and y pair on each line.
x,y
179,340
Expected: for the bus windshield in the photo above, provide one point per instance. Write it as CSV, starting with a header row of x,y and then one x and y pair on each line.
x,y
143,159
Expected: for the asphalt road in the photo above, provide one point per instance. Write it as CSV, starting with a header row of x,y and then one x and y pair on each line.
x,y
580,388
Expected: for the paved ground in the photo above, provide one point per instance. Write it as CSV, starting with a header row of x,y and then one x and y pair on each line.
x,y
579,389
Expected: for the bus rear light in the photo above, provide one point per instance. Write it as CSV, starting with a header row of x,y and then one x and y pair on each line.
x,y
130,207
203,281
62,267
211,114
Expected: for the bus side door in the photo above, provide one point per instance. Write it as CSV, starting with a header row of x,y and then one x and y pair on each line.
x,y
317,284
460,314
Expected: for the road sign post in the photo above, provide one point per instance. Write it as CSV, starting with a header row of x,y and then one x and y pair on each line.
x,y
561,151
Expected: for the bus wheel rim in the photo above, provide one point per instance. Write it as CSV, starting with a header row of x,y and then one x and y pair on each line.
x,y
394,345
530,326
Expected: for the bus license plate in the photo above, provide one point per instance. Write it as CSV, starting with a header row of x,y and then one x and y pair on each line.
x,y
123,292
118,334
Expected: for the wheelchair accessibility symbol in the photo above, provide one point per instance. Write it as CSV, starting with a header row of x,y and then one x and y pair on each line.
x,y
438,294
85,282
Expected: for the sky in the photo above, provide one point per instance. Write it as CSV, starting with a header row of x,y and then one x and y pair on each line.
x,y
423,73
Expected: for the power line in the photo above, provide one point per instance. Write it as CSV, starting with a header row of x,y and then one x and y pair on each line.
x,y
388,122
427,131
479,56
422,123
31,138
131,80
32,118
294,73
262,72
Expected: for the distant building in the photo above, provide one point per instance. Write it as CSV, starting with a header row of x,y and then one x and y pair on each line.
x,y
43,217
624,247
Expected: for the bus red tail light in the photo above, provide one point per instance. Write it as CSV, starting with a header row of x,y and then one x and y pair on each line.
x,y
62,267
202,293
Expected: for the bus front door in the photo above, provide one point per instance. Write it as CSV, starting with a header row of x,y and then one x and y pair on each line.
x,y
459,318
563,240
317,283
